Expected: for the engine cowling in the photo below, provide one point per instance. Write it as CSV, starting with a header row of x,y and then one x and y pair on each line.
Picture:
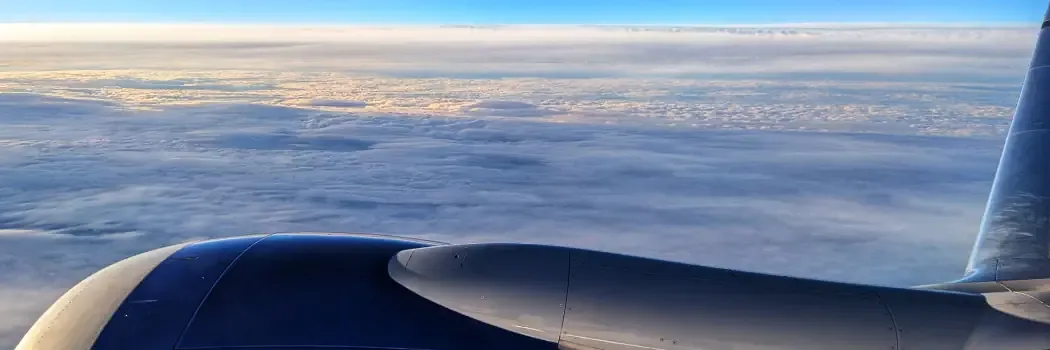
x,y
281,291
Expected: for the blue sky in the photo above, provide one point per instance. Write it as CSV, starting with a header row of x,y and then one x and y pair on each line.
x,y
524,11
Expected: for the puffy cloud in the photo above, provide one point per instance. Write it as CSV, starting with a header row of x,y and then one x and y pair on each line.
x,y
636,139
942,108
506,109
337,103
84,191
190,172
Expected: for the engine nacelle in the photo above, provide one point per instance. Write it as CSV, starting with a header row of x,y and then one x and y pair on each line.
x,y
282,291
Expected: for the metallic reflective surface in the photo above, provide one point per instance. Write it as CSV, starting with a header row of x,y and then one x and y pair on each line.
x,y
76,319
1014,241
622,302
520,288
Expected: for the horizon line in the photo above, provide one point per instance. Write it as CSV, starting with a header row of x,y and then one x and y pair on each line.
x,y
887,24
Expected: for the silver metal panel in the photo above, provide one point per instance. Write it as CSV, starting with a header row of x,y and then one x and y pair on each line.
x,y
1025,299
623,302
76,319
620,302
520,288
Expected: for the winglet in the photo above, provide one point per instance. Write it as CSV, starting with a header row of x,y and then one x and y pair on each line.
x,y
1046,19
1014,241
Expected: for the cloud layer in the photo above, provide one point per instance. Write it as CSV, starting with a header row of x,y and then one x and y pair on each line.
x,y
87,185
695,144
549,51
218,170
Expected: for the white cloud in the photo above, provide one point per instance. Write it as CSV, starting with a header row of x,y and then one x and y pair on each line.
x,y
931,107
506,109
637,140
336,103
549,51
875,208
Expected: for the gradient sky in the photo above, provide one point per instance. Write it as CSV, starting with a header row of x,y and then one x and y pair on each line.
x,y
525,11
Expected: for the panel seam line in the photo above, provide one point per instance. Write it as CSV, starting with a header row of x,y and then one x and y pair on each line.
x,y
893,320
565,303
212,288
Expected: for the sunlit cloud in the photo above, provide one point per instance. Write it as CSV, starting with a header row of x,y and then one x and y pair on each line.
x,y
551,51
857,153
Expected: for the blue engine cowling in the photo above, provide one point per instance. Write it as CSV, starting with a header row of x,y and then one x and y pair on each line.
x,y
281,291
